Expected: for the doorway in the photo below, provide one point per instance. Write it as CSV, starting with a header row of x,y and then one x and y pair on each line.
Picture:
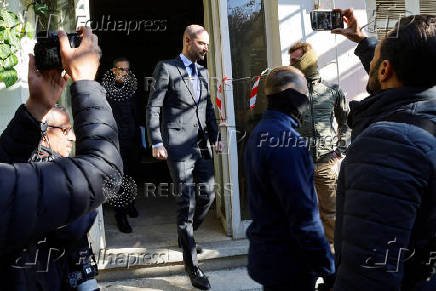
x,y
146,32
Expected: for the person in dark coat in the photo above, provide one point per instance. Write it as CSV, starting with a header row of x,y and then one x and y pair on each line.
x,y
288,250
386,210
53,255
121,93
37,198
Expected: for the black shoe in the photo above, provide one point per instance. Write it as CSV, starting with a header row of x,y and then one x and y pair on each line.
x,y
132,211
123,223
197,246
198,278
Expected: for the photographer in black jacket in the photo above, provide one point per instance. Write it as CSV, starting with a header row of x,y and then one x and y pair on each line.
x,y
40,197
386,224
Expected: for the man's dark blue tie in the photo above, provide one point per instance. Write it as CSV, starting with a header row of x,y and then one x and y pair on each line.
x,y
195,81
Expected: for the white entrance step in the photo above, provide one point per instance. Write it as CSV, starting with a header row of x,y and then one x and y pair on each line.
x,y
116,264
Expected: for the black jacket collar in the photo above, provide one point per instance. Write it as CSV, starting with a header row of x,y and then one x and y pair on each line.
x,y
377,107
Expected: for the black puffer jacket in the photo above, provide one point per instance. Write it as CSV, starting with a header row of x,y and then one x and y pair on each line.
x,y
46,263
36,198
386,197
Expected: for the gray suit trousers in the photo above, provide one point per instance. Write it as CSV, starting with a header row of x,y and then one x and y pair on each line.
x,y
195,190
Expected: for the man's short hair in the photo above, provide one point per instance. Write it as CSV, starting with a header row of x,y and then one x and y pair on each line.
x,y
411,49
120,59
280,77
192,31
300,45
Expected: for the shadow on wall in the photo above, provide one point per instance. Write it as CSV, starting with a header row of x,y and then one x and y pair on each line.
x,y
353,79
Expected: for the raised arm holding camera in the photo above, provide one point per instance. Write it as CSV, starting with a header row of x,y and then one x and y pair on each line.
x,y
40,197
386,225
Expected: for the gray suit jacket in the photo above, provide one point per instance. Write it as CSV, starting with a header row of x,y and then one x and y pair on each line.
x,y
173,116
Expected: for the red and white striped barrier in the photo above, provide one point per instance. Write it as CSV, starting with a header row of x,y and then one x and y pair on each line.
x,y
254,89
219,97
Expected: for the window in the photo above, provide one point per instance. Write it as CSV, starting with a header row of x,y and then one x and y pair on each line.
x,y
249,58
427,6
388,12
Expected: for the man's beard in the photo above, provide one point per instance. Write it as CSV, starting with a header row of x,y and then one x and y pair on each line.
x,y
374,86
198,55
201,56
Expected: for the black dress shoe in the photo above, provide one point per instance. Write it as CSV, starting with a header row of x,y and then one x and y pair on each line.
x,y
123,223
132,211
198,278
198,247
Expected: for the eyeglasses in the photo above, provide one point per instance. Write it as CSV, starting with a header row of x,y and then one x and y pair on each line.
x,y
65,130
122,69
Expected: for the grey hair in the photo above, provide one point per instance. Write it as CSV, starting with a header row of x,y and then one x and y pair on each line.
x,y
49,116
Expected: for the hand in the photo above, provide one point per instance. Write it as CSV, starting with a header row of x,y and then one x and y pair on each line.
x,y
45,88
353,31
219,146
80,63
159,153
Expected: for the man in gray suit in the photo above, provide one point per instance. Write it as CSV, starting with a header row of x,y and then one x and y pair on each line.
x,y
182,126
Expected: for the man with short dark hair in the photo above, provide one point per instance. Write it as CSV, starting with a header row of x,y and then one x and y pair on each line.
x,y
288,250
324,126
385,235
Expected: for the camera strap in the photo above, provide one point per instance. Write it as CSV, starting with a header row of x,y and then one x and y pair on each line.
x,y
418,121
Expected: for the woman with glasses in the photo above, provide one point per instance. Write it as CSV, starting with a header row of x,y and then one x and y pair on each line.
x,y
121,93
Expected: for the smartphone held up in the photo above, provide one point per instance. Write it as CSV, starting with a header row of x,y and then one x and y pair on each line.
x,y
324,20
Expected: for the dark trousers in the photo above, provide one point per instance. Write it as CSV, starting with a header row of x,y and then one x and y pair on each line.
x,y
194,179
129,154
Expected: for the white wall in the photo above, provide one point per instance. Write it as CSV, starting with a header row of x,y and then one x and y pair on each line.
x,y
294,26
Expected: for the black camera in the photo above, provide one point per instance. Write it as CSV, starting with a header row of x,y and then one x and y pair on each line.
x,y
82,276
47,49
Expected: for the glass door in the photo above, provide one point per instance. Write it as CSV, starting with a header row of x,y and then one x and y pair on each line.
x,y
244,48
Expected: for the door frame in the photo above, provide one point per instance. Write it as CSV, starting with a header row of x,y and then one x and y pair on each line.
x,y
230,156
227,164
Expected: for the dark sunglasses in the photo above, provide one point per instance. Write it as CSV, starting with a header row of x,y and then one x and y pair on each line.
x,y
65,130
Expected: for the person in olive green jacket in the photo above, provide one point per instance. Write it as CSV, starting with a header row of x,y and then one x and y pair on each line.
x,y
324,126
